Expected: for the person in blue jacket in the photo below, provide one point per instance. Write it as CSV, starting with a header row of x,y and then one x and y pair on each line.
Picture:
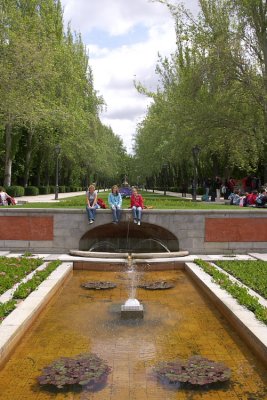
x,y
115,203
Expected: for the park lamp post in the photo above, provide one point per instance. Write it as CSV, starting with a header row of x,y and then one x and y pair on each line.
x,y
57,151
165,168
195,152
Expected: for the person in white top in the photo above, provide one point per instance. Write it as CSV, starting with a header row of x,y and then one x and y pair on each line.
x,y
4,197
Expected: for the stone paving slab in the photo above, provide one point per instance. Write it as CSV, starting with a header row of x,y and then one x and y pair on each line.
x,y
259,256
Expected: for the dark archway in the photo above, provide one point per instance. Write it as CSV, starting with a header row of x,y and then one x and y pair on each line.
x,y
129,237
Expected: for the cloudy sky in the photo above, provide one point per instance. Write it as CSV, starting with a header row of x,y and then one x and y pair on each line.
x,y
124,38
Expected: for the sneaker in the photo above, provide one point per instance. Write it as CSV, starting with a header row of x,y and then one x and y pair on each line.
x,y
91,221
135,222
139,223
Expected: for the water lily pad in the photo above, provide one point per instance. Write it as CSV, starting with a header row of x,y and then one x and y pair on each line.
x,y
157,285
197,371
99,285
87,370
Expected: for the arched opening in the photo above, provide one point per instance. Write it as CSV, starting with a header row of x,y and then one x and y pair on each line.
x,y
129,237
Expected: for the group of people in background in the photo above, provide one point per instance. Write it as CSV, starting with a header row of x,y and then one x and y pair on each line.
x,y
249,199
245,192
115,204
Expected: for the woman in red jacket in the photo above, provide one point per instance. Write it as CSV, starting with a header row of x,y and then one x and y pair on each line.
x,y
137,204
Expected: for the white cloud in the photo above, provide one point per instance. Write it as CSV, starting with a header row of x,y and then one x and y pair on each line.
x,y
148,29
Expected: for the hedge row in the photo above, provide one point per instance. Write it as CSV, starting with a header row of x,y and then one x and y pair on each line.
x,y
17,191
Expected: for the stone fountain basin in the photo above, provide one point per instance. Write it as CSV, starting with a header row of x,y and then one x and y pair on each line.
x,y
103,254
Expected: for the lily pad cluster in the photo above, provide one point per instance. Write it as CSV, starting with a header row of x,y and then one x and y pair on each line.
x,y
157,285
87,370
197,371
99,285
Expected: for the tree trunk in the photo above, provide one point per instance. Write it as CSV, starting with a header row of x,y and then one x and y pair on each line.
x,y
28,157
8,155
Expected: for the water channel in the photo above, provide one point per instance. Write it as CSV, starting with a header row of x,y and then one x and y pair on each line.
x,y
178,322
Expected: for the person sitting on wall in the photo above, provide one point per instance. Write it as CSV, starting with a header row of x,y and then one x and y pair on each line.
x,y
91,198
115,203
137,205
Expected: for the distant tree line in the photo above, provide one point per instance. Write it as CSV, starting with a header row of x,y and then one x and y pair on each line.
x,y
212,93
47,98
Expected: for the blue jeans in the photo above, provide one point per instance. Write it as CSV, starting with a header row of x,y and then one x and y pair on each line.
x,y
137,212
91,212
116,214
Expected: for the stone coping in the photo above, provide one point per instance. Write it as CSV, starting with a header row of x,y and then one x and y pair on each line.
x,y
237,210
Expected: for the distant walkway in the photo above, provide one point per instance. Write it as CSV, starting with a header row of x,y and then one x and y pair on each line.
x,y
47,198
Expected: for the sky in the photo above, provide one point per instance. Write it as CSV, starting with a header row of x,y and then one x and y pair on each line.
x,y
124,38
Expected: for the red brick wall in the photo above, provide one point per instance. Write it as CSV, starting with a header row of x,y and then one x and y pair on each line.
x,y
26,228
236,230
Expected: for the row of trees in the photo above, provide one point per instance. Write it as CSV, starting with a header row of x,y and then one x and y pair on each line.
x,y
48,99
212,93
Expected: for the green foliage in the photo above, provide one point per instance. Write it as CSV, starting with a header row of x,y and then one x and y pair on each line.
x,y
252,273
48,98
44,189
211,93
62,189
240,293
31,191
6,308
12,270
24,289
15,191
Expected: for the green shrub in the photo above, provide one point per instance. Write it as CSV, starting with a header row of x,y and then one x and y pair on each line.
x,y
52,189
31,191
62,189
44,190
75,189
15,191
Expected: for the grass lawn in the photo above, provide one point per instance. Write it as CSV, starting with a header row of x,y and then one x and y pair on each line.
x,y
153,200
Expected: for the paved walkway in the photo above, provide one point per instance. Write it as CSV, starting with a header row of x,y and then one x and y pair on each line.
x,y
47,198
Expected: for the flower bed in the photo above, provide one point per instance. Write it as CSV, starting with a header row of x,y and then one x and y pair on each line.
x,y
239,292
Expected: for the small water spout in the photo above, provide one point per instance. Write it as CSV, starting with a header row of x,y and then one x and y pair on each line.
x,y
132,309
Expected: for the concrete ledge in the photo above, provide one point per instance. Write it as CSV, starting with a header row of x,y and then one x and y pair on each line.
x,y
16,323
251,330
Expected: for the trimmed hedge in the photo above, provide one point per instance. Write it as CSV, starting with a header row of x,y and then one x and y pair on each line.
x,y
31,191
44,190
15,191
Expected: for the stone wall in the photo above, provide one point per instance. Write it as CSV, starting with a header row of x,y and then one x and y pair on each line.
x,y
199,232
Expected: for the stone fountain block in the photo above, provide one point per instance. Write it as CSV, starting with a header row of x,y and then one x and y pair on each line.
x,y
132,309
132,312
